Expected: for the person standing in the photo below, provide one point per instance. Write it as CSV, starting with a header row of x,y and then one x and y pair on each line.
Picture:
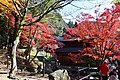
x,y
113,75
118,69
104,69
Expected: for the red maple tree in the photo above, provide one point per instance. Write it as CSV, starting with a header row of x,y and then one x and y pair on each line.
x,y
100,31
38,35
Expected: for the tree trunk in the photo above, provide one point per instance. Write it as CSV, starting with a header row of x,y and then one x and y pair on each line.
x,y
13,57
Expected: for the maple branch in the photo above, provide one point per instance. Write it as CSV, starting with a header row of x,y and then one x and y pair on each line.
x,y
25,9
40,17
30,34
105,46
30,43
95,47
101,46
50,8
21,3
82,7
35,5
65,4
17,8
112,45
88,8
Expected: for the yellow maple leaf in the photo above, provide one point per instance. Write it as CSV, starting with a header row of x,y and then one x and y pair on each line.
x,y
8,6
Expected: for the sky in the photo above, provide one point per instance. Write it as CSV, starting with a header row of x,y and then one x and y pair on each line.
x,y
73,10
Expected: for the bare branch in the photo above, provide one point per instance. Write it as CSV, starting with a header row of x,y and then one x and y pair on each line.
x,y
35,5
17,8
25,8
21,3
50,8
65,4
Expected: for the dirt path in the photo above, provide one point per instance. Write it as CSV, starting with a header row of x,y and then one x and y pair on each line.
x,y
4,71
22,76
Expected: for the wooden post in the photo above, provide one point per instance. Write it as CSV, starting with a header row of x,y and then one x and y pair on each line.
x,y
43,67
89,71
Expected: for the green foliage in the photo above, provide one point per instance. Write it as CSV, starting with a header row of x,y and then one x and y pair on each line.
x,y
55,22
40,7
70,24
116,1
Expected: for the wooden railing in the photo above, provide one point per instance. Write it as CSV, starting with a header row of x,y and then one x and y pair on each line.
x,y
84,73
85,69
89,71
92,72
